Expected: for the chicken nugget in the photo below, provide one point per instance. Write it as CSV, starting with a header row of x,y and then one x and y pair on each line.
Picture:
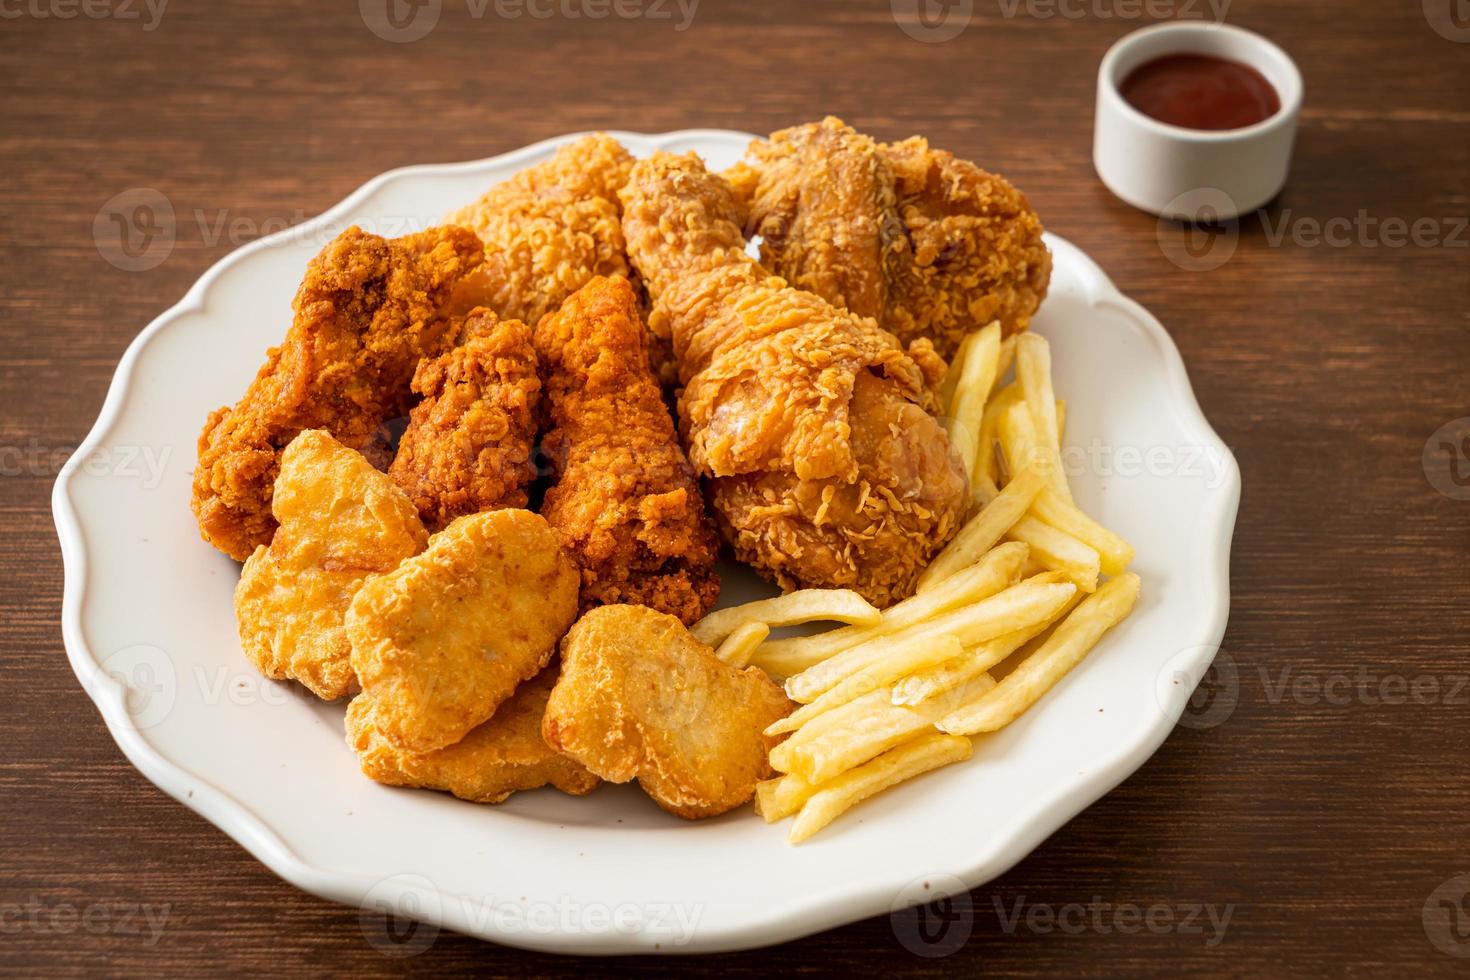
x,y
340,521
442,640
468,446
505,754
639,697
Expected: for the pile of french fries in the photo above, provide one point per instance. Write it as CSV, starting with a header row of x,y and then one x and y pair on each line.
x,y
1025,589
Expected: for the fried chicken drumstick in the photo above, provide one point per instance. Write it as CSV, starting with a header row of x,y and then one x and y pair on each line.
x,y
928,244
825,468
366,313
625,502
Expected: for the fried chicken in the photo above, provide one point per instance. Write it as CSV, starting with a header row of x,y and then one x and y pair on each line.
x,y
625,501
340,521
500,757
469,443
930,245
442,640
547,230
639,697
826,469
366,313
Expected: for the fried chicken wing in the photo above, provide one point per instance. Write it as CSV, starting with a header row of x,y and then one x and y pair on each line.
x,y
340,521
640,698
366,313
930,245
442,640
504,755
826,470
625,500
548,230
469,443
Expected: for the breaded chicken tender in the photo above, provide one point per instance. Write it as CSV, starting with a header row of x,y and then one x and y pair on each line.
x,y
625,501
442,640
368,310
340,521
640,698
548,230
504,755
928,244
469,443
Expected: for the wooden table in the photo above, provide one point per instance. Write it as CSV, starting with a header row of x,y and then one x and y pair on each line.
x,y
1323,814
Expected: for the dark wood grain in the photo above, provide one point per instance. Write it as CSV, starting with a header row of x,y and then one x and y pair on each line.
x,y
1324,825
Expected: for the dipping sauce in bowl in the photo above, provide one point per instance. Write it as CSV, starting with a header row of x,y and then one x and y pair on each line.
x,y
1198,91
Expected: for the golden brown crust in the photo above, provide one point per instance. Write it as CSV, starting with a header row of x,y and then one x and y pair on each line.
x,y
340,521
640,698
367,311
439,642
625,500
469,442
826,469
548,230
928,244
504,755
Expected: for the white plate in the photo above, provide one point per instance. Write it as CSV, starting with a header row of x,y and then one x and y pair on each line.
x,y
150,631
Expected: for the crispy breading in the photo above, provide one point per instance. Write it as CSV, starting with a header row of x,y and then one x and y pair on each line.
x,y
366,313
625,500
439,642
496,759
469,443
640,698
340,521
825,468
547,230
928,244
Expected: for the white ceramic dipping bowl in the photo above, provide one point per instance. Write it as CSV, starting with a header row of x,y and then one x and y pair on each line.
x,y
1192,174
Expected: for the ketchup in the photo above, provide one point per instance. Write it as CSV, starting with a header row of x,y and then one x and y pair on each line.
x,y
1198,91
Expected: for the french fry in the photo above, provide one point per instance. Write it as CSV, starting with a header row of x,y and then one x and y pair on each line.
x,y
863,730
919,653
802,606
946,388
1059,551
853,716
1114,553
1061,420
738,647
1015,608
922,686
1033,374
986,528
1022,446
889,769
1007,358
972,389
999,568
1053,660
781,797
